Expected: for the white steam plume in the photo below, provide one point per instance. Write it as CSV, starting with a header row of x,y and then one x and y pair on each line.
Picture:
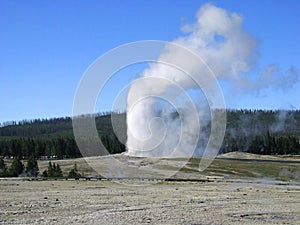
x,y
153,128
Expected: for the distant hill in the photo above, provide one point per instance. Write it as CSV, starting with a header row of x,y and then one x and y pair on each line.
x,y
255,131
53,137
47,128
263,132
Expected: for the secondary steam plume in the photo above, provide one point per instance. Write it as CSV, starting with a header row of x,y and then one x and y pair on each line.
x,y
154,128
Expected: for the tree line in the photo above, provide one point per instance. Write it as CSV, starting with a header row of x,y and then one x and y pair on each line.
x,y
255,131
25,147
31,169
265,144
54,148
262,132
17,168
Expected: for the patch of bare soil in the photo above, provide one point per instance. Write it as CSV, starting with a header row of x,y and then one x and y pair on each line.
x,y
106,202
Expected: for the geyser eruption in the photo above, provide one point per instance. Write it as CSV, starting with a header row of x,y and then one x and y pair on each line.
x,y
152,128
162,118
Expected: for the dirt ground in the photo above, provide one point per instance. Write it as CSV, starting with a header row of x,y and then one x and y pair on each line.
x,y
107,202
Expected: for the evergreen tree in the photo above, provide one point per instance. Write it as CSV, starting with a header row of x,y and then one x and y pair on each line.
x,y
53,170
58,172
16,167
45,173
3,168
2,164
32,168
74,172
50,170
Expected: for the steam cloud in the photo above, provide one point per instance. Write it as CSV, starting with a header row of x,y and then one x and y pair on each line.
x,y
154,128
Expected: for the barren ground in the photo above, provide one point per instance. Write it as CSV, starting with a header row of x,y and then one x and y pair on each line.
x,y
107,202
246,192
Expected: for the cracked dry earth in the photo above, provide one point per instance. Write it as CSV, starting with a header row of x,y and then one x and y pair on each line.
x,y
106,202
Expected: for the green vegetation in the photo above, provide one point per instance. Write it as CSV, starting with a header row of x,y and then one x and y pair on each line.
x,y
32,169
262,132
3,168
53,138
53,170
254,131
16,168
239,168
258,168
74,172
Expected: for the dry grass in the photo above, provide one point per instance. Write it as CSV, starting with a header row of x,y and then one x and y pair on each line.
x,y
253,169
128,167
255,199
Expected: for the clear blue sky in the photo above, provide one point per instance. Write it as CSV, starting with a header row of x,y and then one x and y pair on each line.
x,y
45,46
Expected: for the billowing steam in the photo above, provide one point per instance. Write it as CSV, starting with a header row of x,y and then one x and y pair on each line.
x,y
162,119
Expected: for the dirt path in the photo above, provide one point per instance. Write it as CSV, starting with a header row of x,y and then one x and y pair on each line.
x,y
104,202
